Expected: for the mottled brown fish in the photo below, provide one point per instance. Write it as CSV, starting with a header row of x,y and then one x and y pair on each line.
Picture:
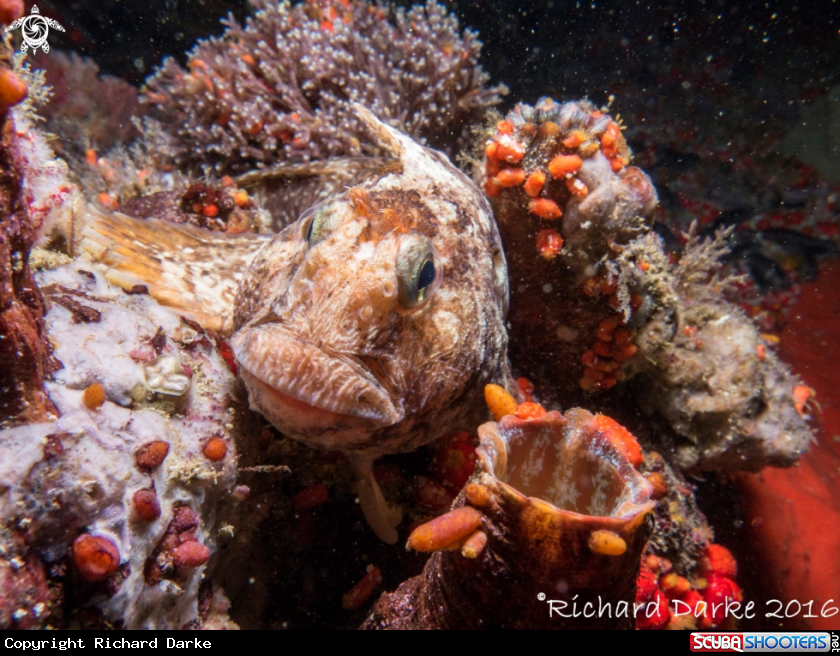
x,y
370,325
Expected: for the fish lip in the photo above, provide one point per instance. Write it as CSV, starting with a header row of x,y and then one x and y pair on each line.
x,y
290,365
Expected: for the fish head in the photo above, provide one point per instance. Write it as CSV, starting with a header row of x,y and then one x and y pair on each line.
x,y
371,323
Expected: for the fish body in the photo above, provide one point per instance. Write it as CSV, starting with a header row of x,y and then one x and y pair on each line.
x,y
371,324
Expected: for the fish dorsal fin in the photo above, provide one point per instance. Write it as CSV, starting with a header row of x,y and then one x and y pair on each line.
x,y
193,271
387,137
419,166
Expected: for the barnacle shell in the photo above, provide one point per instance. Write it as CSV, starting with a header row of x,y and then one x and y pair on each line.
x,y
557,500
165,375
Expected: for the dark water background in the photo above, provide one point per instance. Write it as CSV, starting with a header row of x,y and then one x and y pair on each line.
x,y
536,47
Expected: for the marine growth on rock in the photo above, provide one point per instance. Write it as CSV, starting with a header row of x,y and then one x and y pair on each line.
x,y
280,88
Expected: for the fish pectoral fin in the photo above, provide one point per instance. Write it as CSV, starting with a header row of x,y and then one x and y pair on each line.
x,y
382,518
194,272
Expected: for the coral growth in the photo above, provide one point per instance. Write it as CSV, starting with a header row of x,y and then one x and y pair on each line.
x,y
124,481
598,302
27,597
24,348
554,514
86,110
281,87
574,181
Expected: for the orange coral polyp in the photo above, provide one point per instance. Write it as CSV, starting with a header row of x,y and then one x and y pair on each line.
x,y
549,243
529,410
447,531
511,177
577,187
564,165
504,127
545,208
12,89
607,327
474,545
360,593
93,396
215,449
606,543
574,139
499,401
96,557
509,150
719,560
621,438
534,183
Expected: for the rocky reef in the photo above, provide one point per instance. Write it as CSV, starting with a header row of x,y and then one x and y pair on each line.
x,y
137,490
126,485
599,310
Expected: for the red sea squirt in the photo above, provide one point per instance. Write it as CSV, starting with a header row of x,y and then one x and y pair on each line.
x,y
95,556
150,456
191,554
146,505
543,488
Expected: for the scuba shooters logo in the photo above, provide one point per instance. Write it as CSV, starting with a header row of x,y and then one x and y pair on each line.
x,y
762,642
34,29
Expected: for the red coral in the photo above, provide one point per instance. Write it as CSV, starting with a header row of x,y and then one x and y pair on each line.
x,y
719,595
655,614
432,495
621,438
719,560
361,592
191,554
215,449
646,584
311,497
178,550
454,461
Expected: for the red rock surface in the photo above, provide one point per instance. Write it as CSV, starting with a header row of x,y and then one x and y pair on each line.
x,y
24,350
793,515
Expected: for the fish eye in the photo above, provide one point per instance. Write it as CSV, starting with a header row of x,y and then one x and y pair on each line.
x,y
318,222
418,272
306,231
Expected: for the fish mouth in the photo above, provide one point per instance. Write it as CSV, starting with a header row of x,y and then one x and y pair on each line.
x,y
302,378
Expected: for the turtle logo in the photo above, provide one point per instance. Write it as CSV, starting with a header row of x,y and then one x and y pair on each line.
x,y
34,30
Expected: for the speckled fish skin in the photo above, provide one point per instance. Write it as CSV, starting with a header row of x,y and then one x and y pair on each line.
x,y
325,347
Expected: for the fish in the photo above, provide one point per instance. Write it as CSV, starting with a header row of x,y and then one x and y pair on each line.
x,y
370,325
